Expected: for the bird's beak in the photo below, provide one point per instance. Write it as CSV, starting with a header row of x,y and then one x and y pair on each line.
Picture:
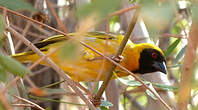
x,y
160,66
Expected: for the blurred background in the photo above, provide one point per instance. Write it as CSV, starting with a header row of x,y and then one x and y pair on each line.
x,y
166,23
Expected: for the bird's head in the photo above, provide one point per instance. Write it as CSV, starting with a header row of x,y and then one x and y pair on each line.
x,y
151,59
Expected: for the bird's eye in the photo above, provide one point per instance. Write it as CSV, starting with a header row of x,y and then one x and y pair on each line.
x,y
154,55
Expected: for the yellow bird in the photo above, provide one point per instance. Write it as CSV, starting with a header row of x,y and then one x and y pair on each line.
x,y
138,58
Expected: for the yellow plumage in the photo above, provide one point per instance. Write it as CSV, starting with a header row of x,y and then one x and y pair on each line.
x,y
87,65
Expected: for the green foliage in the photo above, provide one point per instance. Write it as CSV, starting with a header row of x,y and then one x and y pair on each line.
x,y
99,7
48,108
2,107
172,47
106,103
157,15
52,100
195,11
16,5
112,24
180,54
2,26
135,83
13,66
69,50
148,92
3,75
103,108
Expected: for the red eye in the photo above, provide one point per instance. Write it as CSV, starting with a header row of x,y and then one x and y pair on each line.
x,y
154,55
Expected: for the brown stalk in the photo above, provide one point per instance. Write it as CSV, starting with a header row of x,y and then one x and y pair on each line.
x,y
82,43
60,23
29,102
123,11
187,69
55,67
119,52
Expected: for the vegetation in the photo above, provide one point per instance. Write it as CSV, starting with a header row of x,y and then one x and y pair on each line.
x,y
170,24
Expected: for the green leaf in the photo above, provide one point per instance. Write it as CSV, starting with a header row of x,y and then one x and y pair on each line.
x,y
13,66
135,83
106,103
180,54
103,108
52,91
172,47
17,5
148,92
69,50
52,100
3,75
175,66
165,87
48,108
195,11
99,7
2,26
156,15
2,107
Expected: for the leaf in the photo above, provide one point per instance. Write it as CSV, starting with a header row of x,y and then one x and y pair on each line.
x,y
180,54
165,87
172,47
13,66
156,15
17,5
3,75
2,26
148,92
103,108
69,50
52,100
100,7
48,108
2,107
106,103
175,66
195,11
137,83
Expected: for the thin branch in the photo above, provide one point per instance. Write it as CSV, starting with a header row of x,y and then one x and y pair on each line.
x,y
119,52
123,11
173,35
23,105
55,67
82,43
29,102
60,23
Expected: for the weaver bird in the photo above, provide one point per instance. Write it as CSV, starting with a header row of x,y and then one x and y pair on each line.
x,y
138,58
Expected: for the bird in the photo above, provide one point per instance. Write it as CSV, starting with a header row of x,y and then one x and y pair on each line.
x,y
86,66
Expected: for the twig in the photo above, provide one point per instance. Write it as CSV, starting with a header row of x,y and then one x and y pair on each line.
x,y
29,102
119,52
24,105
55,67
173,35
29,33
123,11
60,23
20,86
82,43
